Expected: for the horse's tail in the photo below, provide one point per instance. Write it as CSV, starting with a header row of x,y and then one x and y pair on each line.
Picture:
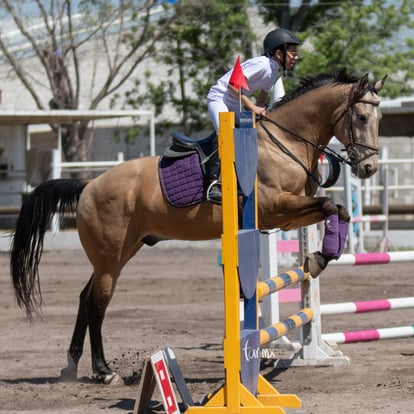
x,y
50,198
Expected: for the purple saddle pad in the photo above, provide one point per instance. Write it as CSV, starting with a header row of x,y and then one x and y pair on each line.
x,y
182,180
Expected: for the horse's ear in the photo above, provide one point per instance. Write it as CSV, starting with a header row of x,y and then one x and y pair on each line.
x,y
363,82
379,84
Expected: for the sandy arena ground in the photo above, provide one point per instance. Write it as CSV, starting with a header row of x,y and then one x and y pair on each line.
x,y
174,297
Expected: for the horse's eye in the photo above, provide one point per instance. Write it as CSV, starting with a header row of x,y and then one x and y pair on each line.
x,y
361,117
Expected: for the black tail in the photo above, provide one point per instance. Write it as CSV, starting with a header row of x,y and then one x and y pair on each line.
x,y
50,198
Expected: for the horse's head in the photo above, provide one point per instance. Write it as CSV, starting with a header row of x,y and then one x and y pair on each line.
x,y
356,126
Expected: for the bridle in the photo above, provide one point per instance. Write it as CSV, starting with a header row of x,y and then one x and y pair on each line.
x,y
328,152
372,149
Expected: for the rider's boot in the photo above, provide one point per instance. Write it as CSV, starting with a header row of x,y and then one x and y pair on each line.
x,y
214,194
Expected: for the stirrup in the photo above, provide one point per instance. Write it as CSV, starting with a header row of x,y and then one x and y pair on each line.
x,y
218,198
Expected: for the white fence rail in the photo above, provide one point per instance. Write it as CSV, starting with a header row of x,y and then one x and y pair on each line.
x,y
57,166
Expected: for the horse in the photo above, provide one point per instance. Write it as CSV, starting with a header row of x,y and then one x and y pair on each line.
x,y
124,208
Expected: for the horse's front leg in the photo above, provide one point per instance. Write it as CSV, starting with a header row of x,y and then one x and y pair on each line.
x,y
299,211
336,228
333,243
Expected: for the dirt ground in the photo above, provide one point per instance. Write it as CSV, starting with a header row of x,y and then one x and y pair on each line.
x,y
174,297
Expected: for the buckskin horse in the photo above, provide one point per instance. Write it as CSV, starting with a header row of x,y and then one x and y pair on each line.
x,y
124,208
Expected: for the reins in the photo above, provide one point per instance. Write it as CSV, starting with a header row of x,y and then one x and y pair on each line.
x,y
333,158
286,150
318,148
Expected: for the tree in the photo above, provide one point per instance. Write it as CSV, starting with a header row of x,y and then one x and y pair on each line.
x,y
200,46
120,35
284,14
364,36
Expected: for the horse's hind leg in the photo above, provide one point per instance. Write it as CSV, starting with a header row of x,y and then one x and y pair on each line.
x,y
78,338
93,302
100,294
96,314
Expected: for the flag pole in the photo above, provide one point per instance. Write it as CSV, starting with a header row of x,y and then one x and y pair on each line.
x,y
238,80
240,101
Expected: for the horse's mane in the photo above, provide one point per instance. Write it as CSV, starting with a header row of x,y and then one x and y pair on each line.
x,y
312,82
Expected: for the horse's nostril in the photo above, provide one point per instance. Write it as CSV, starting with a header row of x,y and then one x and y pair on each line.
x,y
368,169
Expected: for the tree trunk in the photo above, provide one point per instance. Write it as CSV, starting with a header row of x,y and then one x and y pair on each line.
x,y
75,146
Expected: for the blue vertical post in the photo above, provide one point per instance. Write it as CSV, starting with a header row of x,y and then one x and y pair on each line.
x,y
246,169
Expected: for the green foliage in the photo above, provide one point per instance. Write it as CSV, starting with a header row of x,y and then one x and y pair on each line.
x,y
364,38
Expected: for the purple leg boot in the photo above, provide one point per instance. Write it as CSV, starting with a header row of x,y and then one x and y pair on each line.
x,y
331,243
344,220
343,234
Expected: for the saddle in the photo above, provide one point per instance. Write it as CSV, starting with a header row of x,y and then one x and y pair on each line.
x,y
185,167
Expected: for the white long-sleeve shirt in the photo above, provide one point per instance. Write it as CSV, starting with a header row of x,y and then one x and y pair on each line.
x,y
261,73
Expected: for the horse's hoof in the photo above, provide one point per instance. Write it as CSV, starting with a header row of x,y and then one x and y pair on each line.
x,y
113,379
68,374
315,264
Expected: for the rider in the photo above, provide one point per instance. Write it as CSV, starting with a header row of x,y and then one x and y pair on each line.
x,y
279,53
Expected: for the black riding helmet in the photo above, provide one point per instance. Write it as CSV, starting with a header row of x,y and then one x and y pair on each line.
x,y
279,39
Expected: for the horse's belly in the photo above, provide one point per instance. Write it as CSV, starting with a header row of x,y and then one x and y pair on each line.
x,y
200,222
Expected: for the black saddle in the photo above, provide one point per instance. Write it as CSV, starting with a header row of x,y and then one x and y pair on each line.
x,y
182,146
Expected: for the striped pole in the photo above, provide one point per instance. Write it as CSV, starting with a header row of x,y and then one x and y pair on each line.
x,y
279,329
369,335
359,259
367,306
266,287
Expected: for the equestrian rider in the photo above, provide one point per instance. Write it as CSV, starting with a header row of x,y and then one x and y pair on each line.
x,y
279,53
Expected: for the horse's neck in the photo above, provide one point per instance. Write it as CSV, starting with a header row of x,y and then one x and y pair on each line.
x,y
312,115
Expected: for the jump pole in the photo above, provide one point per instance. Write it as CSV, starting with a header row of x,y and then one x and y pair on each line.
x,y
276,283
360,259
367,306
279,329
369,335
363,307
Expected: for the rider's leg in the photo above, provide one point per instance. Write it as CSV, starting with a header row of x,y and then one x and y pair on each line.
x,y
214,109
214,186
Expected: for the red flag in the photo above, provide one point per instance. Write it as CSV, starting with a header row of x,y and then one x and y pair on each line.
x,y
237,78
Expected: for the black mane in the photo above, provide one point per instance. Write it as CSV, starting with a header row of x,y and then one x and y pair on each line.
x,y
312,82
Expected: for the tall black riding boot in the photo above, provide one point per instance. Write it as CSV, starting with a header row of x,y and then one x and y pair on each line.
x,y
214,187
